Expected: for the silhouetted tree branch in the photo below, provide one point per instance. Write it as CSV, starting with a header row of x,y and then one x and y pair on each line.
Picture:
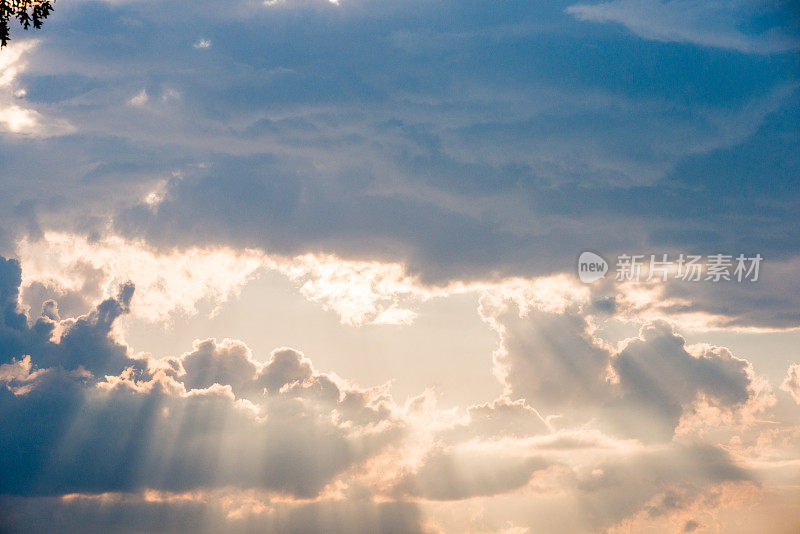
x,y
26,11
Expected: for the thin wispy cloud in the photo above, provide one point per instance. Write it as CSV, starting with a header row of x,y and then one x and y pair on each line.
x,y
714,24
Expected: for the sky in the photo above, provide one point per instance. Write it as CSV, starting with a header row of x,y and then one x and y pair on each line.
x,y
306,266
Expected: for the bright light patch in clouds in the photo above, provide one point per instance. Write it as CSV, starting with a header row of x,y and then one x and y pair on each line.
x,y
19,120
15,114
165,282
139,99
360,292
202,44
372,292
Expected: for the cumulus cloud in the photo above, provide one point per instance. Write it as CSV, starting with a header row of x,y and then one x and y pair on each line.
x,y
257,444
550,360
659,378
82,416
127,435
84,342
640,389
792,382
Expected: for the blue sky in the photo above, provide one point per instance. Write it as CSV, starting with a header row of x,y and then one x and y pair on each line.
x,y
398,192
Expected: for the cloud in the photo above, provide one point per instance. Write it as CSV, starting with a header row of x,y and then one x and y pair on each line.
x,y
469,470
139,99
710,305
792,382
287,372
16,115
77,271
501,418
461,234
252,443
640,389
700,23
360,292
229,362
84,342
551,361
481,169
659,378
213,417
126,435
660,482
130,513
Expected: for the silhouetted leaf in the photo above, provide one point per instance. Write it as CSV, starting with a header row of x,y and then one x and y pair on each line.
x,y
27,12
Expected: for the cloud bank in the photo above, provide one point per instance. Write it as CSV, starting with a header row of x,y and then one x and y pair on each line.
x,y
97,435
